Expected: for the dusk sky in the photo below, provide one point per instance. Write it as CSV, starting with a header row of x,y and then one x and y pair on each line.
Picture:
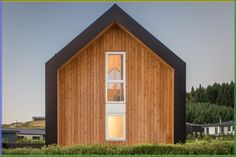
x,y
202,34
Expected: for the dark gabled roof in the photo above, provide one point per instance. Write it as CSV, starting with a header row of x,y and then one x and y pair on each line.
x,y
226,123
32,131
9,131
115,14
24,131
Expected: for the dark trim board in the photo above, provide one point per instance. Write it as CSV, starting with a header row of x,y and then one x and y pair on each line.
x,y
115,14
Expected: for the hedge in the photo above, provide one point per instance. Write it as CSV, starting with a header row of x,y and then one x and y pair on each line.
x,y
198,147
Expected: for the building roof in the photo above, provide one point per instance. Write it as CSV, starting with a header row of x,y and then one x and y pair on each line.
x,y
226,123
25,131
38,118
32,131
9,131
191,124
115,15
190,128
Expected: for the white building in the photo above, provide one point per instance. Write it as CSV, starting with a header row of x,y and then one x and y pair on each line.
x,y
223,128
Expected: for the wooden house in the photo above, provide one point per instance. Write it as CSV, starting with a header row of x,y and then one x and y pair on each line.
x,y
115,83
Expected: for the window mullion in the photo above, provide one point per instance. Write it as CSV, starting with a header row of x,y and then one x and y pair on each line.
x,y
115,81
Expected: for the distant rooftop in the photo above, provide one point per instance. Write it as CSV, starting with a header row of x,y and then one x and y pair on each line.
x,y
191,124
226,123
38,118
32,131
25,131
9,130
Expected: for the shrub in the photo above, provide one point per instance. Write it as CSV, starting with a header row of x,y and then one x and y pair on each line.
x,y
197,147
25,140
207,138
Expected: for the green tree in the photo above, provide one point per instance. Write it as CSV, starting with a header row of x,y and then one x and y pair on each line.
x,y
221,94
200,113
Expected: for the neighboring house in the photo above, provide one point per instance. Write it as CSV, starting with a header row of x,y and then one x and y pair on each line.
x,y
34,134
219,128
115,83
194,129
11,135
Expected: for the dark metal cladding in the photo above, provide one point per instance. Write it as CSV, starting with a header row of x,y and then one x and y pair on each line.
x,y
115,14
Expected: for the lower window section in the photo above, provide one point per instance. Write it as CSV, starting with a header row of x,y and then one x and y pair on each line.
x,y
115,127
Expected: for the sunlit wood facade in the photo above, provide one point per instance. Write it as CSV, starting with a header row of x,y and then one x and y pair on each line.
x,y
149,93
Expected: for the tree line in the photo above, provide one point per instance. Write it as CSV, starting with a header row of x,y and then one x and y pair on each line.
x,y
204,113
210,104
221,94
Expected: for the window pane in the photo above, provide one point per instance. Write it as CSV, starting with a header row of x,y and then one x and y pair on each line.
x,y
115,126
115,92
115,67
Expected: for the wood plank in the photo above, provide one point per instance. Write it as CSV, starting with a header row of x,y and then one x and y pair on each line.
x,y
158,87
78,100
82,99
138,89
89,94
142,120
128,91
133,129
93,92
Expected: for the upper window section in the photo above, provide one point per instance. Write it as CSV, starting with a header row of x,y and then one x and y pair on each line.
x,y
115,77
115,67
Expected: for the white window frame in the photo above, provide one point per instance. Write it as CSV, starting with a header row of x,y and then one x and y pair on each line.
x,y
115,108
116,81
124,127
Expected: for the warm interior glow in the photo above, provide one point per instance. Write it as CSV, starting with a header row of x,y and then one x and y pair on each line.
x,y
115,126
115,68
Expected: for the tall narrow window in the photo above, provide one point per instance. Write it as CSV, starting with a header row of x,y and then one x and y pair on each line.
x,y
115,96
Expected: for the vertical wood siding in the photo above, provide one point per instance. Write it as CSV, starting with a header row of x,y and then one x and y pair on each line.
x,y
149,93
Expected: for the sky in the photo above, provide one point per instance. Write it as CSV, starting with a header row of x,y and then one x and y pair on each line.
x,y
202,34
